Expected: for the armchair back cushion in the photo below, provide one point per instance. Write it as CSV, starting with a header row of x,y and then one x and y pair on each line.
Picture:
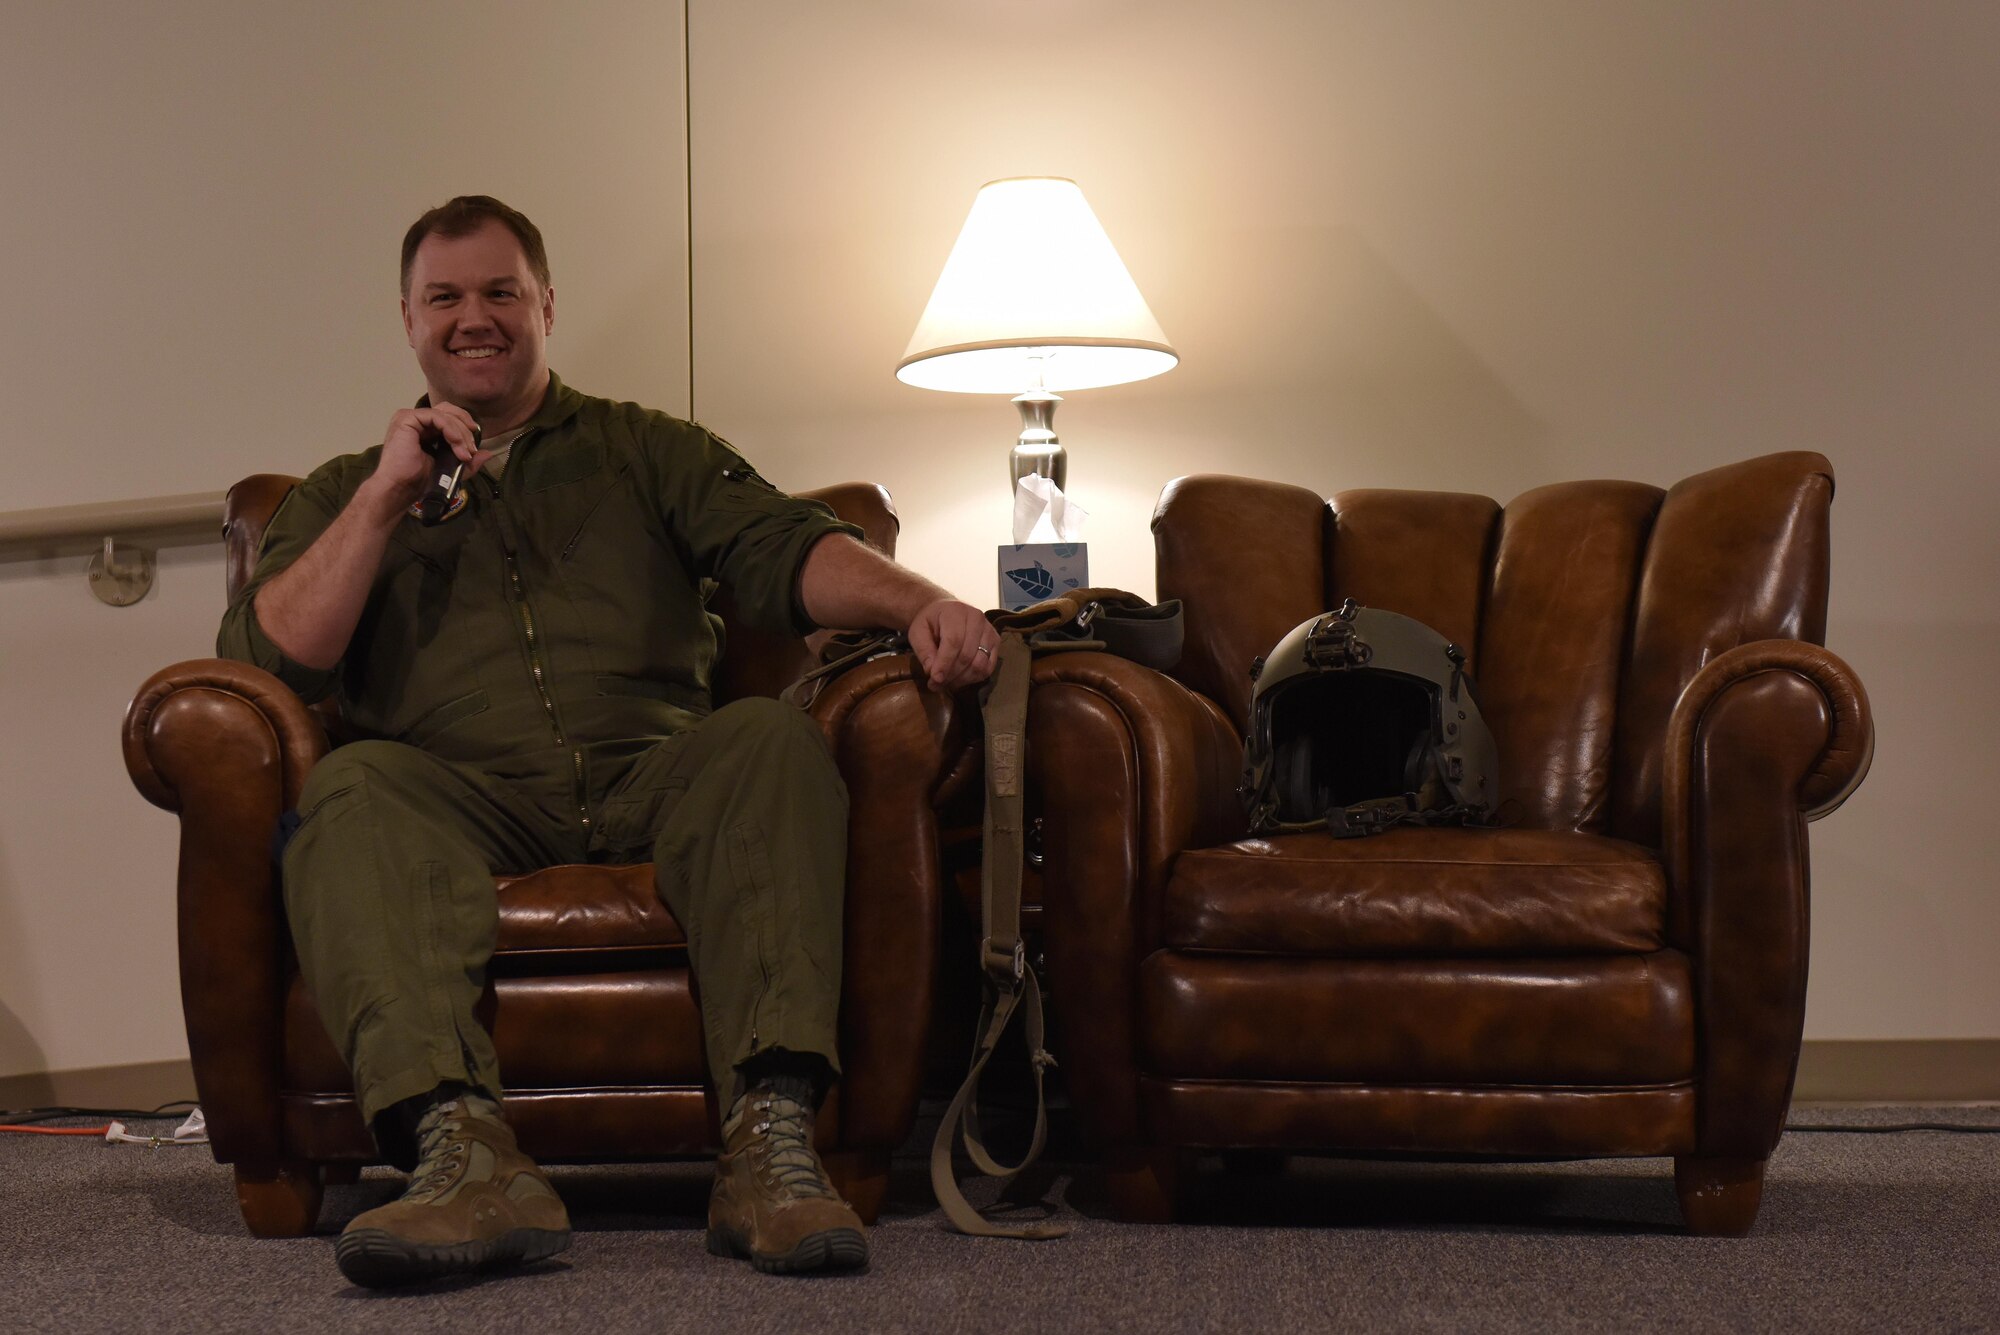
x,y
1586,607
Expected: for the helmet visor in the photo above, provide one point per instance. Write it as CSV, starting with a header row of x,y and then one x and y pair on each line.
x,y
1341,738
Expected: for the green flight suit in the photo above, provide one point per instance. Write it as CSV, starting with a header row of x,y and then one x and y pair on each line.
x,y
531,684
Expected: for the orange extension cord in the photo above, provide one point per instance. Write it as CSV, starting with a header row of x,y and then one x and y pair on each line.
x,y
59,1130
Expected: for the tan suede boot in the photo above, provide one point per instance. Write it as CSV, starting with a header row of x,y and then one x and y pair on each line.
x,y
474,1203
772,1202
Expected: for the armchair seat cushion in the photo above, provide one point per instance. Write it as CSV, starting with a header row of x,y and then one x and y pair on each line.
x,y
1419,892
561,910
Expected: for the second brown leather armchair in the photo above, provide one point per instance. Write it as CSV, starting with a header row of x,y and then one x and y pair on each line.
x,y
1620,970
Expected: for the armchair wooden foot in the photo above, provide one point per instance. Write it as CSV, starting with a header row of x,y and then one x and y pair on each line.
x,y
862,1176
282,1203
1719,1197
1144,1182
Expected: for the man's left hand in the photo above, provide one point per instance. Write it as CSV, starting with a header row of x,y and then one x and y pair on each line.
x,y
954,643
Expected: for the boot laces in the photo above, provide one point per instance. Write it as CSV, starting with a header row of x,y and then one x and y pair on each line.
x,y
791,1165
443,1151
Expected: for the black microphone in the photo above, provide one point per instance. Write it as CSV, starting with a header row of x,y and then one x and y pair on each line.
x,y
447,475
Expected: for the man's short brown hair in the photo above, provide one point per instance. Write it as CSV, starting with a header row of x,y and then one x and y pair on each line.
x,y
465,215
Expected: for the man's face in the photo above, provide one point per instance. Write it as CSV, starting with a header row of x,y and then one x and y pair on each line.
x,y
480,324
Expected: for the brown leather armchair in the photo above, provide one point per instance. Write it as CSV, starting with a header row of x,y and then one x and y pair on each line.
x,y
590,999
1620,970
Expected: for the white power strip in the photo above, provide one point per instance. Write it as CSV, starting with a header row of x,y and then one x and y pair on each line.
x,y
194,1131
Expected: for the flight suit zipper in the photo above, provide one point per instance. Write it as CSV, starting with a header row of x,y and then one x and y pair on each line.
x,y
517,593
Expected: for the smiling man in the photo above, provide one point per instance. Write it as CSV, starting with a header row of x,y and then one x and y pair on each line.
x,y
529,680
479,317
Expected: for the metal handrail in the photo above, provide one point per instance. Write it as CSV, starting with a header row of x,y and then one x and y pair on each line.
x,y
122,534
81,527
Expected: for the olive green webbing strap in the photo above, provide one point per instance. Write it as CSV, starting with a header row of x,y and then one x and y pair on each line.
x,y
1010,983
847,649
1107,619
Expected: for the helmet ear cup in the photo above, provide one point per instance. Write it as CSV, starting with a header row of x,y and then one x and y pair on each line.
x,y
1417,764
1292,772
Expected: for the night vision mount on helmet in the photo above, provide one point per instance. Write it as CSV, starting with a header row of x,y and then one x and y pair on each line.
x,y
1362,720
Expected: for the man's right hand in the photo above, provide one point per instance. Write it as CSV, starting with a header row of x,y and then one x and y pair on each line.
x,y
406,466
310,609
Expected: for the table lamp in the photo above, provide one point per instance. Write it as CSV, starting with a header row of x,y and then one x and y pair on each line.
x,y
1034,300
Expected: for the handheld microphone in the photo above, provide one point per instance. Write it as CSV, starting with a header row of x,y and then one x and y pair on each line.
x,y
447,476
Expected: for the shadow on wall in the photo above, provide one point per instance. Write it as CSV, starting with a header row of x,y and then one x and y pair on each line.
x,y
23,1064
1347,377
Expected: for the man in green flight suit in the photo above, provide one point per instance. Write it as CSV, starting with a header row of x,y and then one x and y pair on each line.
x,y
530,678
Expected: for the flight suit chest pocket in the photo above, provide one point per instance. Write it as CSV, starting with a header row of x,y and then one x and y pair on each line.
x,y
558,463
568,490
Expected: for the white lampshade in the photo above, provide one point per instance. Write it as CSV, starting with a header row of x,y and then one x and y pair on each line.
x,y
1033,296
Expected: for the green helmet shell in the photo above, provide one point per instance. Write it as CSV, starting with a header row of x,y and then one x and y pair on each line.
x,y
1362,719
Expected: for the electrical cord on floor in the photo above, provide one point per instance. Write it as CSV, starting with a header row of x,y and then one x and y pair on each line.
x,y
1886,1128
23,1121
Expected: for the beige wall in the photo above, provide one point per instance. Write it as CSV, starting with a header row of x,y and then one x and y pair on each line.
x,y
1474,245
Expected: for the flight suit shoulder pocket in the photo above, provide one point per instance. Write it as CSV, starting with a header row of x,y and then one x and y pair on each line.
x,y
744,488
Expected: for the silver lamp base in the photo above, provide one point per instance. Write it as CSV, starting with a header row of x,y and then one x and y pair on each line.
x,y
1039,453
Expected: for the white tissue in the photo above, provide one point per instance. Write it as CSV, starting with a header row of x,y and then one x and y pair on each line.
x,y
1043,514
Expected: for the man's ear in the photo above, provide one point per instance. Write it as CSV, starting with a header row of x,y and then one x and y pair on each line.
x,y
548,311
409,334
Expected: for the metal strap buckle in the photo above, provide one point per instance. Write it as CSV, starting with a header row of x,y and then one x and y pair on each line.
x,y
1004,966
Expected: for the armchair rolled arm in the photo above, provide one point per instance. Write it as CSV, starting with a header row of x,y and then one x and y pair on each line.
x,y
190,718
228,747
1766,737
1132,767
1837,768
894,741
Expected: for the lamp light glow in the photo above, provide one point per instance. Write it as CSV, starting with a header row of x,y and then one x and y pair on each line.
x,y
1034,297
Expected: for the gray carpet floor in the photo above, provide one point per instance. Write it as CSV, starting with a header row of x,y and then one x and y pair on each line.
x,y
1858,1232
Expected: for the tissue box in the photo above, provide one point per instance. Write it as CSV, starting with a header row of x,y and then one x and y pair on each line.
x,y
1032,571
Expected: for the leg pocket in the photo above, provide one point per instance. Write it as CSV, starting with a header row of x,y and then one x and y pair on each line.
x,y
756,896
628,823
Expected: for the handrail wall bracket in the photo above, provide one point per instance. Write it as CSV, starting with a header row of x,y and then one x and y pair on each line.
x,y
122,578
